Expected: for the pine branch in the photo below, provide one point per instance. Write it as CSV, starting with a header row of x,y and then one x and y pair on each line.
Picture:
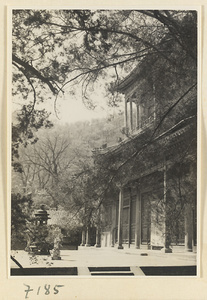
x,y
34,71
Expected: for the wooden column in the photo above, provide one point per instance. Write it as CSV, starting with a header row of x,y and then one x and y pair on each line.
x,y
154,101
166,248
140,115
138,221
194,216
130,219
137,114
126,115
112,237
131,116
83,242
88,237
98,238
98,230
120,219
113,227
188,228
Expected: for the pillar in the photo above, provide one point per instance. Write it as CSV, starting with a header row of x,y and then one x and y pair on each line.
x,y
138,221
131,116
83,242
113,228
98,238
88,237
154,101
194,222
126,116
140,116
130,219
120,219
166,248
113,237
188,228
137,114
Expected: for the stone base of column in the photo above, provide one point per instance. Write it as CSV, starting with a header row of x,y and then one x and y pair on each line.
x,y
87,245
188,250
137,247
120,247
97,245
166,250
82,245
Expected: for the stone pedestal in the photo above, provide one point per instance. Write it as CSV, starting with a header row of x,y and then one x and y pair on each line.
x,y
56,249
56,254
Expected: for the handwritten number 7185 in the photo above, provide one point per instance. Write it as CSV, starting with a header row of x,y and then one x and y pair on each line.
x,y
46,289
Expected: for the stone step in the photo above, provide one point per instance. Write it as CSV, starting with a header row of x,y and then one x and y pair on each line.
x,y
112,273
96,269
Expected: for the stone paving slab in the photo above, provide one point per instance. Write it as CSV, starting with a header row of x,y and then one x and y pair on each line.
x,y
86,257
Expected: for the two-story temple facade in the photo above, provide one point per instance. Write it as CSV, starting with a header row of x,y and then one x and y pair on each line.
x,y
154,203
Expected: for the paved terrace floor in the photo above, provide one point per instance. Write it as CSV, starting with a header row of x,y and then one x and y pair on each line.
x,y
88,257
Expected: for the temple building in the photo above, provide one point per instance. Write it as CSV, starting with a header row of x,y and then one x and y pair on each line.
x,y
153,205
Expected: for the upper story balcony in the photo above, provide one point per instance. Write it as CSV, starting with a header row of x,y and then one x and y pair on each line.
x,y
146,123
138,116
129,134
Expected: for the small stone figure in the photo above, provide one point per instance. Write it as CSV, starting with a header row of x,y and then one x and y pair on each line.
x,y
29,240
56,250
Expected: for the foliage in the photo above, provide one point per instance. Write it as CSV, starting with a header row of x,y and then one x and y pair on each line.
x,y
58,49
21,215
72,235
23,224
28,122
106,38
56,169
43,236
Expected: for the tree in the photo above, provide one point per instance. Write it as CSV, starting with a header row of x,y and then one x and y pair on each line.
x,y
45,163
20,217
54,49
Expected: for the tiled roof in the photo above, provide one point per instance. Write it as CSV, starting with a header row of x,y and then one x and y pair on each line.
x,y
175,131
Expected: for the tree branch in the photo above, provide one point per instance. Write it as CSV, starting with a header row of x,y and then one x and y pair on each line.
x,y
34,71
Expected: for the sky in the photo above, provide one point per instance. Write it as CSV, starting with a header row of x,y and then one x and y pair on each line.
x,y
74,110
71,108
